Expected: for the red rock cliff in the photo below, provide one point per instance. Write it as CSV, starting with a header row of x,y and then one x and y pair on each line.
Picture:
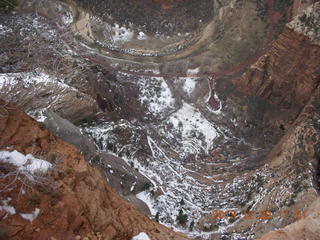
x,y
288,74
73,199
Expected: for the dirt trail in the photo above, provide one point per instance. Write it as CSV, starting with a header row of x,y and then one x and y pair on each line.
x,y
228,71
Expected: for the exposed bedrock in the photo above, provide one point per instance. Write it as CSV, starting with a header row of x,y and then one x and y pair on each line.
x,y
73,198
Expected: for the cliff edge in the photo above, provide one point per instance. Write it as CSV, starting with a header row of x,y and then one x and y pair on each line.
x,y
49,191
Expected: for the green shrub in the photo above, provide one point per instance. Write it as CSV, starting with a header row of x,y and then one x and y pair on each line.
x,y
191,226
147,186
182,218
157,217
96,159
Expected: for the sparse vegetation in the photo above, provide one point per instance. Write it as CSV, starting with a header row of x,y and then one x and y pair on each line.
x,y
262,10
191,226
182,218
310,22
85,121
147,186
157,217
23,179
8,6
96,160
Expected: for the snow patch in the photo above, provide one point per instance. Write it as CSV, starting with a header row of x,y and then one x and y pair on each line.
x,y
156,94
308,22
31,216
145,197
141,236
189,85
122,34
26,163
28,79
67,18
38,115
142,36
4,30
133,186
7,208
193,71
190,122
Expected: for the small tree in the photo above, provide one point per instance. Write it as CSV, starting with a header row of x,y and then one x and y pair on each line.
x,y
191,226
157,217
182,218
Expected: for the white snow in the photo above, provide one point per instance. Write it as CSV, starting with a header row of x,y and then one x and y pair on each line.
x,y
190,122
14,85
28,79
7,208
25,163
4,30
142,36
308,27
145,197
31,216
193,71
39,27
141,236
189,85
38,115
7,79
132,187
165,171
156,94
67,18
122,34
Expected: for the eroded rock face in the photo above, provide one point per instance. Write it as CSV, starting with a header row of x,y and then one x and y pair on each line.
x,y
118,174
36,91
293,181
288,78
73,200
289,73
68,132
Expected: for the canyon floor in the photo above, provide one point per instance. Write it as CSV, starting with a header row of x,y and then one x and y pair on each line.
x,y
208,123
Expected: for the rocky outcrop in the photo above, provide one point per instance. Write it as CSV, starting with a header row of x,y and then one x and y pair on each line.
x,y
308,228
68,132
288,77
72,200
288,183
308,23
118,174
289,73
35,91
